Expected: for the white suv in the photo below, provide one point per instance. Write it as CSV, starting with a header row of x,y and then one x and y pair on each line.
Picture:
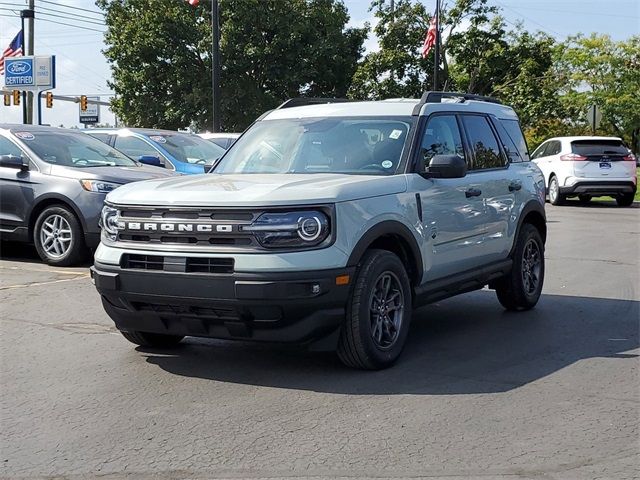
x,y
587,167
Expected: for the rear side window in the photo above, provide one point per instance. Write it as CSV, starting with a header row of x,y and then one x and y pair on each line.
x,y
483,142
515,135
103,137
588,148
553,148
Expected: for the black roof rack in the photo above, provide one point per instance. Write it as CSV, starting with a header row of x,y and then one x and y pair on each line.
x,y
436,97
302,101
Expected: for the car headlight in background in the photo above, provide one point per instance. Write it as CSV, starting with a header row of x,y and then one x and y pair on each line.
x,y
110,222
290,229
98,186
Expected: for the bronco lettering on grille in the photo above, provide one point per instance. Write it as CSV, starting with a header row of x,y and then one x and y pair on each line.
x,y
177,227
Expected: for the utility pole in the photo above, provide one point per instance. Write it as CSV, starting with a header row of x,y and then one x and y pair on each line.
x,y
436,58
31,23
215,64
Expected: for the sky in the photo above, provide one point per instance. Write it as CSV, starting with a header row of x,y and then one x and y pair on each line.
x,y
81,68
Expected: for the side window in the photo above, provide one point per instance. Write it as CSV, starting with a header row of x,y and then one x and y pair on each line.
x,y
515,135
539,152
553,148
483,142
103,137
9,148
135,148
441,137
513,153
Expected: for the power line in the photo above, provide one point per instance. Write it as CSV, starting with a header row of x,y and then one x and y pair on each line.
x,y
40,8
95,12
71,25
89,22
531,20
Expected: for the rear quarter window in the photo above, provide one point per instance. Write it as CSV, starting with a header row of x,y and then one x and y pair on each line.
x,y
598,147
515,134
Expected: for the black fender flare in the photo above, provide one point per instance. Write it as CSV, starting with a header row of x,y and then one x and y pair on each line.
x,y
532,206
390,228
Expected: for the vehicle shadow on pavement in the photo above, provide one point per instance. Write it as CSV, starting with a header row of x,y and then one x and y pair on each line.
x,y
594,204
26,253
465,345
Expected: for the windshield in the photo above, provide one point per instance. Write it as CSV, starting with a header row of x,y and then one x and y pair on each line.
x,y
72,149
320,145
189,148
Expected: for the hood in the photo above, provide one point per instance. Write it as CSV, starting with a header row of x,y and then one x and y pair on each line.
x,y
112,174
235,190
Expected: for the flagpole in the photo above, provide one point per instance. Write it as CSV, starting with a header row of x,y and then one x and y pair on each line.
x,y
436,58
215,65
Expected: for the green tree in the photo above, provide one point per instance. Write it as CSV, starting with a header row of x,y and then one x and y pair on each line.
x,y
159,52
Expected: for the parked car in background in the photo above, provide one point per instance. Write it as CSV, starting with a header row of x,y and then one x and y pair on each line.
x,y
225,140
587,167
52,186
183,152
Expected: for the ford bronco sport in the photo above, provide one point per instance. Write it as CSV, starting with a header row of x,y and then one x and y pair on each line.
x,y
326,223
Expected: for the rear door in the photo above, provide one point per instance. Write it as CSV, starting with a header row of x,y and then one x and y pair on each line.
x,y
490,170
602,159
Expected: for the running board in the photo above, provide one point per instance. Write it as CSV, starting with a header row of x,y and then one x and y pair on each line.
x,y
460,283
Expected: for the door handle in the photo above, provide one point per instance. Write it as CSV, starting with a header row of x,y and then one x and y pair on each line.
x,y
515,186
473,192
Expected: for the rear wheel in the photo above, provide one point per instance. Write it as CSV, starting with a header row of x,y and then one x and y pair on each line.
x,y
378,313
555,197
146,339
625,200
521,289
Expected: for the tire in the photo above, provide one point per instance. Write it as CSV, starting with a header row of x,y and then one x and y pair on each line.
x,y
156,340
58,237
555,197
357,347
584,198
516,291
625,200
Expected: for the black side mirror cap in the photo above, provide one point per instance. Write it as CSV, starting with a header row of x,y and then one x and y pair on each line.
x,y
150,160
11,161
446,166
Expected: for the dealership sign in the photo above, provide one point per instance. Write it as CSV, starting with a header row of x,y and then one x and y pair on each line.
x,y
30,73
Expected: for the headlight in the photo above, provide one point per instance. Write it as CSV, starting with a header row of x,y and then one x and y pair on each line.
x,y
110,222
291,229
98,186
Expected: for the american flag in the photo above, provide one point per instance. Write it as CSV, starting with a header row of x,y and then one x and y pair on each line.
x,y
430,39
14,49
193,3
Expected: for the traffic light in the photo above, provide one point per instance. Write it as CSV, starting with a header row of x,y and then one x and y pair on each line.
x,y
16,97
49,100
7,100
83,103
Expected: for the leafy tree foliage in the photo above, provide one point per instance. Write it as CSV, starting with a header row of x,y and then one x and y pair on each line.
x,y
270,51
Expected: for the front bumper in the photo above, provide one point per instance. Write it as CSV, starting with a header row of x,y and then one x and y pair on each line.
x,y
289,307
599,188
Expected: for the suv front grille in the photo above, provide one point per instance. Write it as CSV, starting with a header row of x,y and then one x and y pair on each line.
x,y
177,264
193,227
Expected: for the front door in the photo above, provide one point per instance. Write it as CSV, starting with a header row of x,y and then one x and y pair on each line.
x,y
454,215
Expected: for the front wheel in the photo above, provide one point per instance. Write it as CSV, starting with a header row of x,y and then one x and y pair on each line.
x,y
625,200
521,288
58,237
378,313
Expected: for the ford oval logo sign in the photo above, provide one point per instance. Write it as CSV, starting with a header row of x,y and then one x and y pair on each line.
x,y
19,68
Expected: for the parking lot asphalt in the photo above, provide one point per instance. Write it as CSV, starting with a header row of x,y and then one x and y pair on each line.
x,y
478,393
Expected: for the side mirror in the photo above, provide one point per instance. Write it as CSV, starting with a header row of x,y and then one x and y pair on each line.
x,y
446,166
150,160
11,161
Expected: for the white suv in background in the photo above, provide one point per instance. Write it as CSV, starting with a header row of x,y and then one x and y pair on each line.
x,y
587,167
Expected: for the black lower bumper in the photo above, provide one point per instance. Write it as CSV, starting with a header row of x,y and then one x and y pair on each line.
x,y
599,188
272,307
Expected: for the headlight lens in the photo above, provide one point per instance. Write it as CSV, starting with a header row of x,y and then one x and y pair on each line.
x,y
291,229
110,222
98,186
